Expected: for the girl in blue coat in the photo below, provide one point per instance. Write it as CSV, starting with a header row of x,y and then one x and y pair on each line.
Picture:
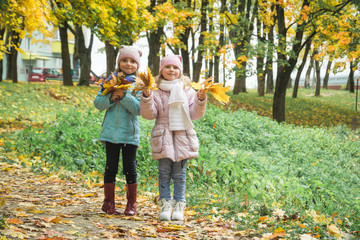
x,y
120,131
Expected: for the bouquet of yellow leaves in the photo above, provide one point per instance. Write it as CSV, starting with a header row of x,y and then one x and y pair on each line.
x,y
216,89
116,82
145,81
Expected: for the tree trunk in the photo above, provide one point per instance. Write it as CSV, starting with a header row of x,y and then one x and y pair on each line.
x,y
2,33
8,55
284,71
269,59
154,41
350,83
326,78
111,54
85,57
308,72
318,80
298,74
65,55
184,38
240,79
15,41
203,29
260,56
241,38
220,45
154,49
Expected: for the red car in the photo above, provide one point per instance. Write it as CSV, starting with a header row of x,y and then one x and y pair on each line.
x,y
43,74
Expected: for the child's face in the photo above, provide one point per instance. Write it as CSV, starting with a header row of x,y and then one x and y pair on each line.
x,y
128,65
171,72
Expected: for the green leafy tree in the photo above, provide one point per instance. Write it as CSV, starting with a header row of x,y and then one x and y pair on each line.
x,y
118,23
241,17
305,16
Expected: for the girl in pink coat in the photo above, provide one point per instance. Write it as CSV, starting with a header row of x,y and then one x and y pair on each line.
x,y
173,139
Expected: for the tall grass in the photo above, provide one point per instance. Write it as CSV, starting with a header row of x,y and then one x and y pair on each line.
x,y
245,159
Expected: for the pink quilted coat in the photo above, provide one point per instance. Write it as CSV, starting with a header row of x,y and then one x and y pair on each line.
x,y
175,145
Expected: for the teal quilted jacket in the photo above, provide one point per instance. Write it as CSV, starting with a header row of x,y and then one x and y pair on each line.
x,y
121,120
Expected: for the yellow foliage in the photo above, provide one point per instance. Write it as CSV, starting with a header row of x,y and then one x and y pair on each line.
x,y
145,81
216,89
2,202
334,231
116,82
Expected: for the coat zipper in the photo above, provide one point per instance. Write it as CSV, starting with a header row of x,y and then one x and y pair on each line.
x,y
117,121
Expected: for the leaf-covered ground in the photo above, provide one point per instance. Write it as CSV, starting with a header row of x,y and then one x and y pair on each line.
x,y
49,207
266,187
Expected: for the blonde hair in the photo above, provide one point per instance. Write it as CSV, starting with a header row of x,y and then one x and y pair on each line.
x,y
185,79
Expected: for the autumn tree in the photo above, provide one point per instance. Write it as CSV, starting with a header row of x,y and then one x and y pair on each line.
x,y
241,15
309,13
118,23
155,32
18,19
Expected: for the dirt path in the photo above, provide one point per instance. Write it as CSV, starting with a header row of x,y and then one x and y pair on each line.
x,y
47,207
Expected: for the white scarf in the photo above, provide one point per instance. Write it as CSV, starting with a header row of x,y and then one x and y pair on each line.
x,y
179,115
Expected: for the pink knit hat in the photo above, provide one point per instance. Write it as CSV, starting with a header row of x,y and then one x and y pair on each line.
x,y
175,60
129,52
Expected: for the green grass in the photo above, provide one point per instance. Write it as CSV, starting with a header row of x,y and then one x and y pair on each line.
x,y
332,108
247,162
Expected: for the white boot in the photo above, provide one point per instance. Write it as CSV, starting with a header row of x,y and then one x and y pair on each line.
x,y
178,212
165,213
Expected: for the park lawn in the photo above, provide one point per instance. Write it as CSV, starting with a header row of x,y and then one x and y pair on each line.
x,y
293,179
332,108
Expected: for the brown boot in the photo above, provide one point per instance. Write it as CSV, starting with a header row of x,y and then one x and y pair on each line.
x,y
131,190
109,201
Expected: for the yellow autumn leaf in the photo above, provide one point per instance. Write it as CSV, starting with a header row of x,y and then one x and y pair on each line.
x,y
148,80
2,202
216,89
196,85
116,82
219,92
334,231
15,221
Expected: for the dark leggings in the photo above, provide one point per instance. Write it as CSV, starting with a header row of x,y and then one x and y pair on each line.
x,y
112,162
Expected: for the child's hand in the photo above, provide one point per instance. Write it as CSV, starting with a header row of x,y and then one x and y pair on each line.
x,y
117,95
147,92
201,95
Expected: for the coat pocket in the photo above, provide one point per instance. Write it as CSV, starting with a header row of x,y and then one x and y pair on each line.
x,y
157,140
193,140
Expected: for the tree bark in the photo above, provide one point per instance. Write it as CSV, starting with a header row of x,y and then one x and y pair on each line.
x,y
2,33
301,67
260,56
308,72
318,79
8,55
154,42
326,78
111,54
241,39
65,55
269,59
200,51
350,83
184,38
220,45
15,41
284,71
154,49
85,57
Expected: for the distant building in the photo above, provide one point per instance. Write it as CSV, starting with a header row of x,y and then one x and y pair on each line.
x,y
44,54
